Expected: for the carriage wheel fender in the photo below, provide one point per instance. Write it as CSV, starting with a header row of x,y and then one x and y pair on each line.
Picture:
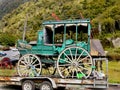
x,y
28,85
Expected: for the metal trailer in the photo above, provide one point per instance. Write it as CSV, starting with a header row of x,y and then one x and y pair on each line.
x,y
47,83
54,81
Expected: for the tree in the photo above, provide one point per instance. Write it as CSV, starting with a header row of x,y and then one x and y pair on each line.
x,y
84,4
7,39
108,25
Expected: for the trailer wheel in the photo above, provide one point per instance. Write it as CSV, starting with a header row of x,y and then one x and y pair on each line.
x,y
46,86
28,85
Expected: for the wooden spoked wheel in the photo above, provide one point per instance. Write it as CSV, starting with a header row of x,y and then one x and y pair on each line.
x,y
29,65
74,62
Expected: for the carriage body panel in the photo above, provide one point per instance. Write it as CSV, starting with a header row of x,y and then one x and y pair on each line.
x,y
57,35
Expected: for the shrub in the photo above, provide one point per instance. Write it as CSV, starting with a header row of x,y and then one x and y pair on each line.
x,y
7,39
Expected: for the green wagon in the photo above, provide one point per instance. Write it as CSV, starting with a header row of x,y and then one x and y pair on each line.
x,y
62,46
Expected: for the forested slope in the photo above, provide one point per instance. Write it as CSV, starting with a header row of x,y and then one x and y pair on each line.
x,y
6,6
103,12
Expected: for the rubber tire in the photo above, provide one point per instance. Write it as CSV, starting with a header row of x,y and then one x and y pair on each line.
x,y
30,83
45,83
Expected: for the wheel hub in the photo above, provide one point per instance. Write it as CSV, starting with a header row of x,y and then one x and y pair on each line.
x,y
28,67
27,86
75,64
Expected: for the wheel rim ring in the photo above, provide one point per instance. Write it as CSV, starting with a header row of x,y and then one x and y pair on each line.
x,y
59,71
18,65
27,86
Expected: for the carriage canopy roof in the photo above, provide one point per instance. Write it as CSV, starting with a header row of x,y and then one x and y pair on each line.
x,y
60,26
67,21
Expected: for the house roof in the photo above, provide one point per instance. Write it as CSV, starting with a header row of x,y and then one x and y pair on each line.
x,y
97,48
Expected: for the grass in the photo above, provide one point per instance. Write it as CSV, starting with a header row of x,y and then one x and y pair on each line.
x,y
7,72
114,71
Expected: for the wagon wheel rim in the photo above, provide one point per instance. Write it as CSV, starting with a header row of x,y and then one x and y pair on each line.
x,y
76,64
29,65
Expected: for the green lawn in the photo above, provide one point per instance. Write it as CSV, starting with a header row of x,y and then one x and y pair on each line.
x,y
7,72
114,71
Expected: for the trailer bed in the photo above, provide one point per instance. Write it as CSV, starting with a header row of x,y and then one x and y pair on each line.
x,y
58,82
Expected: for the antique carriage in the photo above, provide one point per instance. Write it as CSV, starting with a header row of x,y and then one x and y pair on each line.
x,y
62,46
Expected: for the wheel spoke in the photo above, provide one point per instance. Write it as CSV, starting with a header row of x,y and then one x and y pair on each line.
x,y
67,74
76,54
38,70
22,68
65,69
83,67
65,60
64,65
80,55
22,62
67,57
80,60
31,59
72,73
34,62
31,72
26,59
82,73
24,73
27,73
71,53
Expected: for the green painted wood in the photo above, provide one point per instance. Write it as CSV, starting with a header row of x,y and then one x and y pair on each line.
x,y
42,48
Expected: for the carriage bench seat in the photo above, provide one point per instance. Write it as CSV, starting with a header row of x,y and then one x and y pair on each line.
x,y
23,45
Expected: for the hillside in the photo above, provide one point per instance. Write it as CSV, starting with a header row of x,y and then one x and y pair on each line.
x,y
103,12
6,6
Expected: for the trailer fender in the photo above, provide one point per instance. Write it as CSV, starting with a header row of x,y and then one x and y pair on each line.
x,y
51,80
